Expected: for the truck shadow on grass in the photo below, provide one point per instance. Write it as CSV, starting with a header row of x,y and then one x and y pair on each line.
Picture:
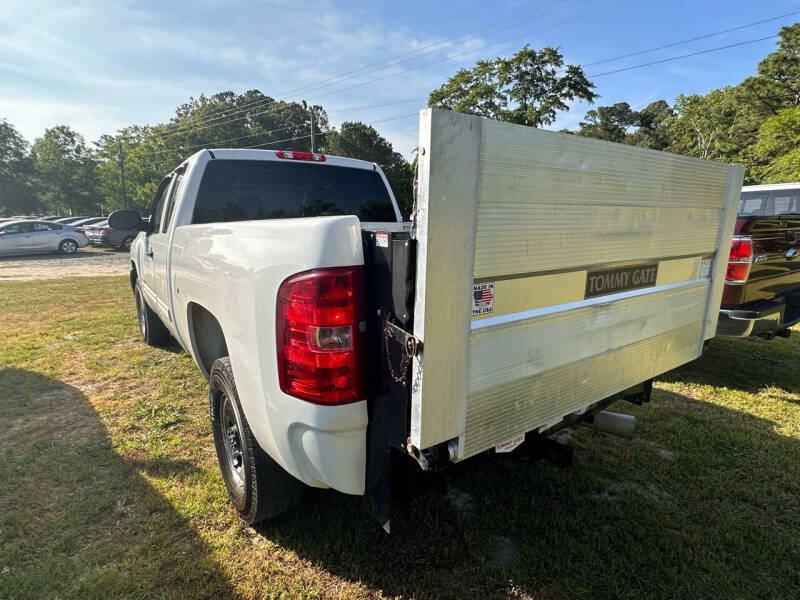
x,y
702,503
76,519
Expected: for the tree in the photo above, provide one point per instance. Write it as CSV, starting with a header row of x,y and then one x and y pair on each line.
x,y
777,151
16,173
358,140
226,120
718,126
65,172
777,84
620,123
528,89
610,123
652,131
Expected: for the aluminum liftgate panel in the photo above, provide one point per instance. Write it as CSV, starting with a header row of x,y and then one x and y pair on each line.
x,y
554,271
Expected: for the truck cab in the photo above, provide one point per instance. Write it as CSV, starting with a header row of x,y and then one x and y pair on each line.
x,y
762,284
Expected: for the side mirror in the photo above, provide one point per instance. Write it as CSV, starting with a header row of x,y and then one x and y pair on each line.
x,y
124,219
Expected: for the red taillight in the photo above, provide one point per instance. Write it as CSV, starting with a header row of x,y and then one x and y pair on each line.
x,y
320,318
292,155
740,259
106,231
79,230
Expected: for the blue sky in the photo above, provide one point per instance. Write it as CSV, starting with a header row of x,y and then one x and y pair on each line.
x,y
98,66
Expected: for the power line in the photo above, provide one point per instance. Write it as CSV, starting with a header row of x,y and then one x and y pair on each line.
x,y
694,39
417,67
302,137
470,51
656,62
419,51
202,126
349,109
393,62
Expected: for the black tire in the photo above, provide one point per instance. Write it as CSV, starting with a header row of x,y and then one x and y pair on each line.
x,y
126,243
68,246
258,487
153,331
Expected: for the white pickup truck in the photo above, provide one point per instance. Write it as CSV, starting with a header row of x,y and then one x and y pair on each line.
x,y
543,277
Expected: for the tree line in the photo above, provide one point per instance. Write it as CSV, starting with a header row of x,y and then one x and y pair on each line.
x,y
755,123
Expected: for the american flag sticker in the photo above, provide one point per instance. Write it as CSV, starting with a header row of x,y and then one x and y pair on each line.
x,y
482,298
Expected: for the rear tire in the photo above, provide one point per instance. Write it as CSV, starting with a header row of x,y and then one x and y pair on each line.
x,y
153,331
126,243
68,246
258,487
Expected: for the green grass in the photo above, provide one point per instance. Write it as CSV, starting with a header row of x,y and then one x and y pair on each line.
x,y
109,486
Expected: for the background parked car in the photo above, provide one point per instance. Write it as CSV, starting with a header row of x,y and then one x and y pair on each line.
x,y
27,237
89,221
70,220
100,234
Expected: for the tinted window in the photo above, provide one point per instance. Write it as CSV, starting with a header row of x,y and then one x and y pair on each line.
x,y
158,204
45,227
785,202
176,189
752,204
242,190
769,203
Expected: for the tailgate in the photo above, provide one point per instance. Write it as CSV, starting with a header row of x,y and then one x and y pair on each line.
x,y
775,270
554,271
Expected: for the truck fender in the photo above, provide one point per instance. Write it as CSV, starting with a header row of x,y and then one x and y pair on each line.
x,y
206,337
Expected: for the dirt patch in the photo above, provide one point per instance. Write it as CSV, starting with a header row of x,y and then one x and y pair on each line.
x,y
87,262
504,553
54,415
616,490
462,502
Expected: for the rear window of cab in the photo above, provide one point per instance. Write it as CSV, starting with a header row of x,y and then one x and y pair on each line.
x,y
247,190
770,203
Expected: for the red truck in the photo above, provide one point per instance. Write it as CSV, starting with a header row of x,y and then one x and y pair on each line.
x,y
762,284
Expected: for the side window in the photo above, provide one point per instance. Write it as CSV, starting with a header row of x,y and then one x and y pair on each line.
x,y
43,227
15,228
786,202
752,204
158,204
173,200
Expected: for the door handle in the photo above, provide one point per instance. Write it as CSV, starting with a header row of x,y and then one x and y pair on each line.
x,y
149,253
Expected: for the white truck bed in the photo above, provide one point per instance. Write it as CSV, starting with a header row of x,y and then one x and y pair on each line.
x,y
538,224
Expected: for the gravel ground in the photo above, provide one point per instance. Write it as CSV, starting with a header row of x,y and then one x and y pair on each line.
x,y
87,262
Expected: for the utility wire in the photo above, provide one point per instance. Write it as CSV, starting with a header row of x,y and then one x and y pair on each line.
x,y
694,39
264,112
449,42
350,109
586,64
657,62
450,57
302,137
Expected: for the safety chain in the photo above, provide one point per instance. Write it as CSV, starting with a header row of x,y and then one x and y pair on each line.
x,y
410,349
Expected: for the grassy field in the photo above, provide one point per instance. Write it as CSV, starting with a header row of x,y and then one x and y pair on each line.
x,y
109,486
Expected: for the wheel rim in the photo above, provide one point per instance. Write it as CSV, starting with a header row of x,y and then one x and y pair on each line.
x,y
127,243
140,314
68,247
232,441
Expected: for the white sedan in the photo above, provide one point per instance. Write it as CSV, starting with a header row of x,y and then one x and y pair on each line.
x,y
28,237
